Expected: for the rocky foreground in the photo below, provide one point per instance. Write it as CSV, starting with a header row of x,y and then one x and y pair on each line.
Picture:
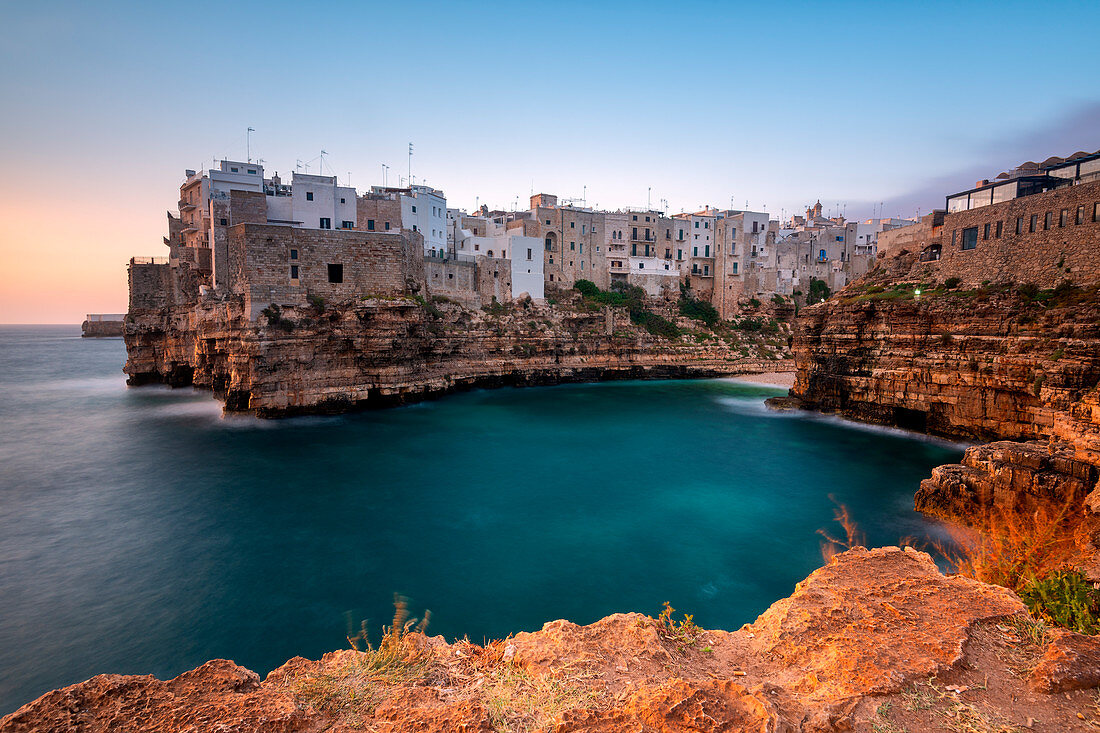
x,y
877,641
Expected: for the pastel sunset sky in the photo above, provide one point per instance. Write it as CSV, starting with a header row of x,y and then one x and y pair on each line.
x,y
871,107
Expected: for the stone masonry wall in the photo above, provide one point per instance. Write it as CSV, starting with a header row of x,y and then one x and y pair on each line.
x,y
260,257
150,286
1066,248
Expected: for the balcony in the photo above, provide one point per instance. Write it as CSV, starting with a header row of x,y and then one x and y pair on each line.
x,y
186,205
622,267
643,238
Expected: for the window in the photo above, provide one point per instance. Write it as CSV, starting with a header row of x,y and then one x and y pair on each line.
x,y
225,222
252,171
1080,215
326,223
528,253
387,226
706,269
1019,225
414,209
573,246
370,225
572,225
293,254
582,264
234,170
336,273
695,252
293,272
581,250
970,238
347,224
309,195
706,253
985,231
954,237
668,253
1033,224
1096,212
342,201
1048,218
547,222
633,250
635,218
734,268
549,244
821,255
679,254
634,233
1063,217
999,224
696,225
641,265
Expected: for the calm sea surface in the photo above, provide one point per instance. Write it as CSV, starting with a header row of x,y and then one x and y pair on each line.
x,y
142,532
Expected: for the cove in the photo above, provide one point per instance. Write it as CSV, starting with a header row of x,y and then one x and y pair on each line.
x,y
142,532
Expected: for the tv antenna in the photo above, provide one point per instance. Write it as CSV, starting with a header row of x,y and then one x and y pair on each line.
x,y
248,144
410,162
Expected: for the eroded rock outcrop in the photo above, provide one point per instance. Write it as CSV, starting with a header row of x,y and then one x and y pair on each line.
x,y
997,364
867,632
377,352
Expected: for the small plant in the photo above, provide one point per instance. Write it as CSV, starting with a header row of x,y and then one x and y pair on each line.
x,y
1058,353
946,338
852,536
1028,291
700,310
754,302
778,299
951,283
1064,598
682,632
275,319
1037,385
317,302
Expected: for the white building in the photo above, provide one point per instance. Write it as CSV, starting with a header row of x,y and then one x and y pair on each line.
x,y
524,253
424,210
313,202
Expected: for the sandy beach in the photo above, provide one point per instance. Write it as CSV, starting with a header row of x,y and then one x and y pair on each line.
x,y
775,379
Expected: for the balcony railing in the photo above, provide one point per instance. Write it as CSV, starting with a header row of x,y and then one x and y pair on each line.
x,y
186,205
148,260
642,238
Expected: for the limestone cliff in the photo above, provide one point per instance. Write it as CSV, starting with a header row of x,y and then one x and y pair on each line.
x,y
875,640
384,351
998,363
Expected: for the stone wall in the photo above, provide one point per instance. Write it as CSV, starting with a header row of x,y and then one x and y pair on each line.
x,y
453,279
150,286
913,238
385,213
261,258
1065,243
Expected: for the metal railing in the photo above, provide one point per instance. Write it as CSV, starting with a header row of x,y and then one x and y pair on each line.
x,y
148,260
99,317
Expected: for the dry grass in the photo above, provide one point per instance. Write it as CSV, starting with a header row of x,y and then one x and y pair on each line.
x,y
520,701
954,713
1010,548
852,536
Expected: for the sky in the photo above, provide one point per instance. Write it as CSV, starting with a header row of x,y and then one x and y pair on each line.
x,y
874,108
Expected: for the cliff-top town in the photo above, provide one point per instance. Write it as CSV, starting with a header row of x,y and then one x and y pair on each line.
x,y
241,233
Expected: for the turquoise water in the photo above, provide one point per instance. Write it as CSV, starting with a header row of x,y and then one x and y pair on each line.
x,y
141,532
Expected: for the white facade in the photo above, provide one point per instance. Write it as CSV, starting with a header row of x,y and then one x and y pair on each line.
x,y
424,210
313,202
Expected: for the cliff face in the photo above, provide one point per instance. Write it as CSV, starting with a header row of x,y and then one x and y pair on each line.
x,y
378,352
994,364
874,638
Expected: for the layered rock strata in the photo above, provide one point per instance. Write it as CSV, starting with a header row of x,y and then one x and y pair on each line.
x,y
874,638
384,351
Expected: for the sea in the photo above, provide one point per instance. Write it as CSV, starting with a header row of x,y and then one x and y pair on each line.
x,y
144,532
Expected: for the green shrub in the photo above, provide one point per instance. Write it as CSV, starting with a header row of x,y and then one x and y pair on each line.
x,y
655,324
951,283
819,291
1028,291
699,310
316,301
778,299
586,288
754,302
750,324
275,319
1037,385
1058,353
1064,598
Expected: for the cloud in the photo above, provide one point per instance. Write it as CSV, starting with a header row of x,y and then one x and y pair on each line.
x,y
1079,130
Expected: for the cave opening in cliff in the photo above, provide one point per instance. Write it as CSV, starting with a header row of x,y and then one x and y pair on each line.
x,y
910,419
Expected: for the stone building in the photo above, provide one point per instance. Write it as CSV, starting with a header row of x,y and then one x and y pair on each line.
x,y
1039,223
